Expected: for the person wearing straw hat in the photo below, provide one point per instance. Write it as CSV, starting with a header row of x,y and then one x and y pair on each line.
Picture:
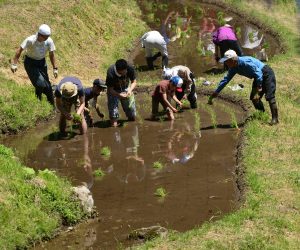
x,y
36,47
264,82
70,92
225,38
91,94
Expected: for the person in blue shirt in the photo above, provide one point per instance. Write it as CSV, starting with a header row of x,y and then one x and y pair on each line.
x,y
93,93
264,82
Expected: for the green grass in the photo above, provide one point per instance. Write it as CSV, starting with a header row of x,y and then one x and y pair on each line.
x,y
98,173
32,204
19,107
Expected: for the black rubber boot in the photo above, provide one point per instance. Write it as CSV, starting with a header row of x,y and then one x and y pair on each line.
x,y
165,61
157,55
274,112
150,63
258,105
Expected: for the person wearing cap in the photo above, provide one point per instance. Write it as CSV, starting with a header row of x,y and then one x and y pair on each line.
x,y
264,82
92,93
163,93
188,88
36,47
70,92
120,82
225,39
154,40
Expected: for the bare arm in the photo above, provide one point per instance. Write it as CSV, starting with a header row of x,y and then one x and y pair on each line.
x,y
52,59
131,87
113,92
168,103
82,105
17,55
176,100
97,107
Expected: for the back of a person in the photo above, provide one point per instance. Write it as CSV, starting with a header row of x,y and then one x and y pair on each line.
x,y
161,87
226,33
89,94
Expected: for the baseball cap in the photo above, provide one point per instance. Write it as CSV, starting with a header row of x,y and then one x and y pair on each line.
x,y
99,83
229,54
177,81
68,90
44,30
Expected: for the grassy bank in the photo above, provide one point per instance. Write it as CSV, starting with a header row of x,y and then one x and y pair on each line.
x,y
32,204
269,218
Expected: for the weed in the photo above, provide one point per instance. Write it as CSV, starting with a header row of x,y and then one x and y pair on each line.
x,y
161,192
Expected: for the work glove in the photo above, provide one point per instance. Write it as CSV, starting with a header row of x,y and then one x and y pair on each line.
x,y
13,67
55,72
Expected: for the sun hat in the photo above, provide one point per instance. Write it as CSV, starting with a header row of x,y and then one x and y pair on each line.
x,y
177,81
228,19
44,30
99,83
68,90
229,54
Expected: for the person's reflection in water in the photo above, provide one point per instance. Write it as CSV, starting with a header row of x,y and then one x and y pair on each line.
x,y
87,164
135,169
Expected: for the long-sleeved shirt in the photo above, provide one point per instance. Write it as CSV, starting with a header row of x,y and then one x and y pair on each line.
x,y
247,66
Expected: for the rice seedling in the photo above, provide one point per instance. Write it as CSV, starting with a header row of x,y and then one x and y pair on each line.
x,y
161,192
199,12
98,173
220,18
158,165
76,118
106,152
238,32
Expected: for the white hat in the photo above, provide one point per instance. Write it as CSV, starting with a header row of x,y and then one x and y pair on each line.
x,y
167,73
229,54
228,19
44,30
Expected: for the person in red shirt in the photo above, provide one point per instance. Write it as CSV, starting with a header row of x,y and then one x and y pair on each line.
x,y
163,93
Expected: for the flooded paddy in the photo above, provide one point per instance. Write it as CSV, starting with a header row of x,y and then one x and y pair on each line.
x,y
188,26
193,159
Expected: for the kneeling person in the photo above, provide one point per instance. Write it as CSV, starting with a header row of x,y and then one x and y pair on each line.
x,y
70,92
163,93
93,93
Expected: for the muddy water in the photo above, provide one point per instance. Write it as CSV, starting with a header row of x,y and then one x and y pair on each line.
x,y
190,30
197,174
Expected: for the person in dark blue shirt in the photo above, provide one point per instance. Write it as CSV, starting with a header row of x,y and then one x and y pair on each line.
x,y
93,93
264,82
70,92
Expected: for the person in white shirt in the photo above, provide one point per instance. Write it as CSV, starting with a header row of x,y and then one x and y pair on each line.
x,y
154,40
36,47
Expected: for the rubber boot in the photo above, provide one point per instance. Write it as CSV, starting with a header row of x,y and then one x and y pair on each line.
x,y
150,63
157,55
165,61
258,105
274,112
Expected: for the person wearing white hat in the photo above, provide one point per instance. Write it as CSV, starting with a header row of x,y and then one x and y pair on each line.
x,y
36,47
67,93
264,82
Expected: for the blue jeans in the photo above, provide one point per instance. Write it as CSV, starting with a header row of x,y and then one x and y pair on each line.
x,y
128,105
